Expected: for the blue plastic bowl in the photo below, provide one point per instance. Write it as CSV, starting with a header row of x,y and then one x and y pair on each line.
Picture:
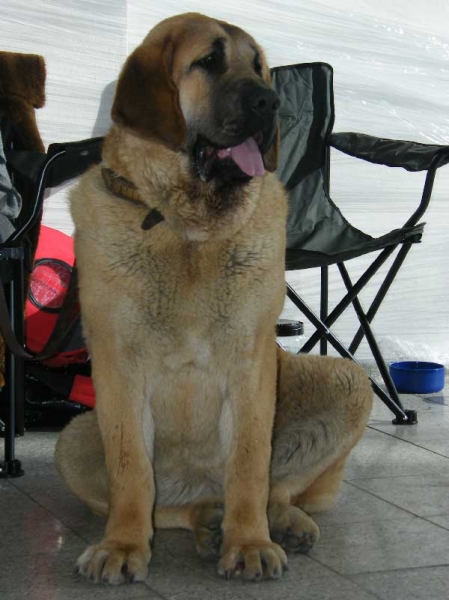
x,y
416,377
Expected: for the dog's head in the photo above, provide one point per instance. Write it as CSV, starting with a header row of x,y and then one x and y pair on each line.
x,y
202,86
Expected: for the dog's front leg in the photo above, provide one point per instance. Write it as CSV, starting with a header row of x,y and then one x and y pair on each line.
x,y
247,547
124,553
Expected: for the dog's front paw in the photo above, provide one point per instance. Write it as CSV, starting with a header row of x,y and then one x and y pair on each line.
x,y
253,561
114,563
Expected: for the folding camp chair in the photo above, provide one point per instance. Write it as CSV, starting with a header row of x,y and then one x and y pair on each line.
x,y
317,233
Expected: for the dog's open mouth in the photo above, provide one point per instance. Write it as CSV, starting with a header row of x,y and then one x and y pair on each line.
x,y
245,159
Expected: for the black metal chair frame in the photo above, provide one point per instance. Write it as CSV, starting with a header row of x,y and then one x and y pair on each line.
x,y
62,162
325,320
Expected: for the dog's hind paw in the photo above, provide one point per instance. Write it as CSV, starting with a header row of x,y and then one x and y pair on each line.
x,y
113,563
292,528
206,526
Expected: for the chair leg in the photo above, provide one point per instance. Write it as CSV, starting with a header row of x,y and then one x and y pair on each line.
x,y
19,323
379,297
364,323
324,305
402,416
347,299
11,467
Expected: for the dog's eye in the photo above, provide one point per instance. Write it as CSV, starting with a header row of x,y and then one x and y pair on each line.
x,y
209,62
258,66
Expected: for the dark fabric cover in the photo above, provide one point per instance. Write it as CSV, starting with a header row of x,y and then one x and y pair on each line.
x,y
10,199
317,232
411,156
22,90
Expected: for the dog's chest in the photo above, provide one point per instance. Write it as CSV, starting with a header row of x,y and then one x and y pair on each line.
x,y
193,286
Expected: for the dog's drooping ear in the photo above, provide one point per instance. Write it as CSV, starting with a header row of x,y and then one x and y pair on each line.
x,y
270,158
146,99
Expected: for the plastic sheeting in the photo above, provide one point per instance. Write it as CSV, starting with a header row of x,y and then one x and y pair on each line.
x,y
391,63
84,44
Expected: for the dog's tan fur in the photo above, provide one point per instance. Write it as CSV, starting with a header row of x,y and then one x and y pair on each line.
x,y
195,405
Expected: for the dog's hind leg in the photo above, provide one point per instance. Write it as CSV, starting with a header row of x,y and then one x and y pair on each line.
x,y
79,458
323,407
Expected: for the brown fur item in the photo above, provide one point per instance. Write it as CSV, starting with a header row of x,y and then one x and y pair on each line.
x,y
22,90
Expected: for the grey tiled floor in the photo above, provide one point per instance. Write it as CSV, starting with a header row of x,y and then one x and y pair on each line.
x,y
387,537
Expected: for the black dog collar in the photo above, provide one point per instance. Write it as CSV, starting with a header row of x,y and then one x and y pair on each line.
x,y
125,189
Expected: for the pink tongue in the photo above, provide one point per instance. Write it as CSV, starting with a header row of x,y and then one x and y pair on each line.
x,y
247,156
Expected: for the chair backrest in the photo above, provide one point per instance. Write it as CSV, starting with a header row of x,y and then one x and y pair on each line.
x,y
306,119
316,229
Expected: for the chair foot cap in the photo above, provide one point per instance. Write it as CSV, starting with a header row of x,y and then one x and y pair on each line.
x,y
412,418
11,468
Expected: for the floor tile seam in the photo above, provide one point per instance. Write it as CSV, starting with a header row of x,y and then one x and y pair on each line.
x,y
407,441
417,442
343,576
403,570
11,483
356,573
397,477
361,521
350,478
434,437
50,512
409,512
328,567
428,517
152,590
248,594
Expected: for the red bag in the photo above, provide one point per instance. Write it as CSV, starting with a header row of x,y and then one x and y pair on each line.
x,y
50,278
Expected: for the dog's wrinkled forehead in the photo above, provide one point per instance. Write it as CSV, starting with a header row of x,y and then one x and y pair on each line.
x,y
194,38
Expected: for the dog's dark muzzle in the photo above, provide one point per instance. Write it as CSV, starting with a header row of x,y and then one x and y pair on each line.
x,y
247,108
262,103
244,129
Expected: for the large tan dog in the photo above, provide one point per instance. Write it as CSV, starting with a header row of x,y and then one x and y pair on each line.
x,y
200,422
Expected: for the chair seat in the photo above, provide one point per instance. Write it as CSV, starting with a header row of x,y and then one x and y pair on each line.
x,y
318,234
302,258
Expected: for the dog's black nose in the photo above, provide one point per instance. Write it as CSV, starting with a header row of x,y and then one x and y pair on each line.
x,y
264,102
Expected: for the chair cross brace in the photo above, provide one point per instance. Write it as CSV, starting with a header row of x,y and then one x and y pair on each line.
x,y
403,416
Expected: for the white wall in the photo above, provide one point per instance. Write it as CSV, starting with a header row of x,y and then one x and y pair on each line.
x,y
391,62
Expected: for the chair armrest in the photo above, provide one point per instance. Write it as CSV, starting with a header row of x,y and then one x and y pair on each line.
x,y
74,159
62,162
411,156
